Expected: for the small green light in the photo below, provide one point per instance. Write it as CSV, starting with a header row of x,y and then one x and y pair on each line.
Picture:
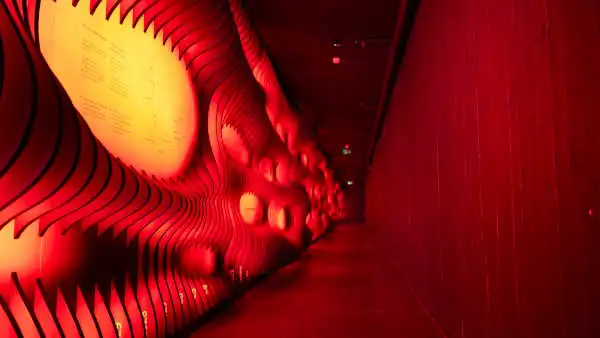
x,y
347,150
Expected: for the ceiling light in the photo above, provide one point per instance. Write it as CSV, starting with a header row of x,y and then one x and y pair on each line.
x,y
349,182
336,60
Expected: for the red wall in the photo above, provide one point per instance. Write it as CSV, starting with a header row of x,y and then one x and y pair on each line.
x,y
484,185
93,245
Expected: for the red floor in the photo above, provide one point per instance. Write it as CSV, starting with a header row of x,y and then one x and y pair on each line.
x,y
340,288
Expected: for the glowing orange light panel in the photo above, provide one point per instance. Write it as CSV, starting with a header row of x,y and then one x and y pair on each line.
x,y
251,208
133,92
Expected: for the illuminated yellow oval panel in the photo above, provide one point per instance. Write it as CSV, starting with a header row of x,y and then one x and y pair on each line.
x,y
251,208
132,91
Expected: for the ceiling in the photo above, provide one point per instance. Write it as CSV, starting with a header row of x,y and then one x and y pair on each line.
x,y
339,100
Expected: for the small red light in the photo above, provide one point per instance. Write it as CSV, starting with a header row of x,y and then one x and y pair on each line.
x,y
590,212
336,60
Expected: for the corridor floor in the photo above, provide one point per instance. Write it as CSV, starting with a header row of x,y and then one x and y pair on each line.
x,y
339,288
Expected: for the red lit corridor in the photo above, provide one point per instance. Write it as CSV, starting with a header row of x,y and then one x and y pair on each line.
x,y
343,286
313,168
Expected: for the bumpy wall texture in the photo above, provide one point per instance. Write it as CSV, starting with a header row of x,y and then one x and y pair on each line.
x,y
484,186
93,244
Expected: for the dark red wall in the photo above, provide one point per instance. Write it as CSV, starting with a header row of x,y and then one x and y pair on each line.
x,y
354,202
485,184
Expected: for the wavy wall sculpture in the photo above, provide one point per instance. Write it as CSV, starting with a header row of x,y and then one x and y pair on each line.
x,y
150,164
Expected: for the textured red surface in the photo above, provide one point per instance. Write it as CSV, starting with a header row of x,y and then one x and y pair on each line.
x,y
91,246
485,183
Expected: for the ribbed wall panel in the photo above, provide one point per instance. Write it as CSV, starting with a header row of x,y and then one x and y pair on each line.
x,y
102,248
